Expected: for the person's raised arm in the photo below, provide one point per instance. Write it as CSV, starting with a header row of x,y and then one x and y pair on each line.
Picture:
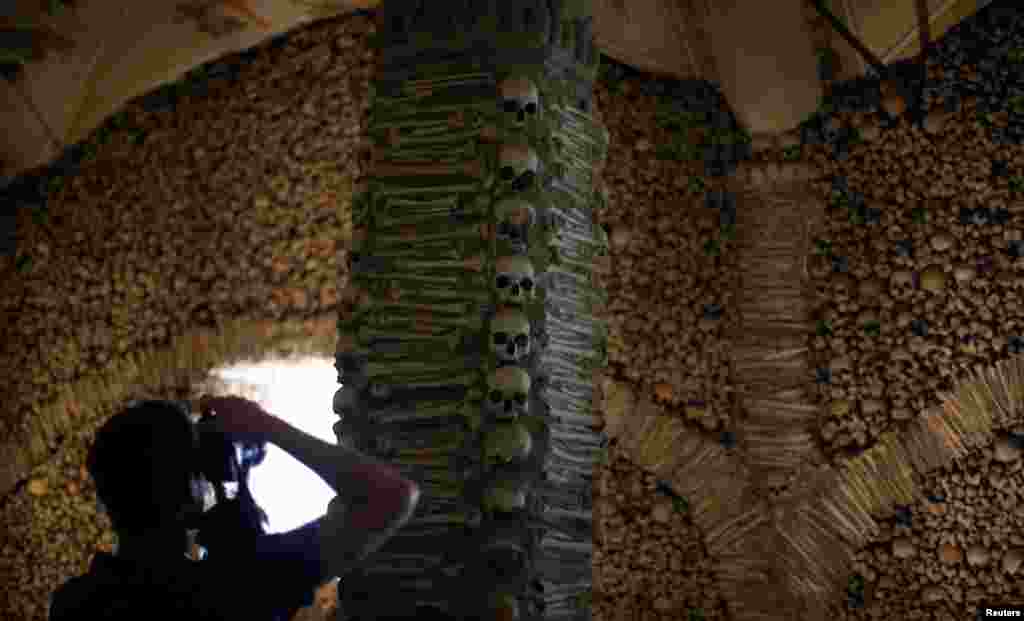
x,y
377,496
374,500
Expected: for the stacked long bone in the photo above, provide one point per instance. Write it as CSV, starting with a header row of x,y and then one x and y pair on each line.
x,y
469,351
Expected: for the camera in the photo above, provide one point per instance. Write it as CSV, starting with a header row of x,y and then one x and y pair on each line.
x,y
235,521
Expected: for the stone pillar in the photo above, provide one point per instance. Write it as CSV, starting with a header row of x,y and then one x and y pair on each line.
x,y
471,347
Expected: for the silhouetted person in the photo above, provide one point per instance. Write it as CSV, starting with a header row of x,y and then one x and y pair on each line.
x,y
143,462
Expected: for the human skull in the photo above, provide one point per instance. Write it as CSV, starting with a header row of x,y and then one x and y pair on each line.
x,y
515,280
506,442
513,215
510,335
518,165
508,392
901,284
519,97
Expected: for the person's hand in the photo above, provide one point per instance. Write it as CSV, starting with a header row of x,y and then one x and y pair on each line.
x,y
240,419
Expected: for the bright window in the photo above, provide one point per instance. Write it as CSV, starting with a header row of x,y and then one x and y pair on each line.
x,y
301,392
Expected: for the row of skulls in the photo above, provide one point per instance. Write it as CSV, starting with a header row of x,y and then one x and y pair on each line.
x,y
515,277
518,163
508,387
507,400
515,283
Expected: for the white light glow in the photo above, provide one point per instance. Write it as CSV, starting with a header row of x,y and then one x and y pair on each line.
x,y
301,393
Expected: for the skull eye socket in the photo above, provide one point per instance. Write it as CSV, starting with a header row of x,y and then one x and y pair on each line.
x,y
508,173
531,108
526,179
521,340
500,338
510,105
527,284
496,396
503,281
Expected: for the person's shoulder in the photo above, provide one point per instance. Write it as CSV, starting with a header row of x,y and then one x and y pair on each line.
x,y
93,590
106,594
71,595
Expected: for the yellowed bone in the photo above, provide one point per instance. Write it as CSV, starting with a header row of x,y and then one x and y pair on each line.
x,y
425,321
457,120
486,231
400,170
489,133
473,264
407,232
472,168
410,232
417,89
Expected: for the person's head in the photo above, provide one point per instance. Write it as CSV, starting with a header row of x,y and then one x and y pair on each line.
x,y
142,464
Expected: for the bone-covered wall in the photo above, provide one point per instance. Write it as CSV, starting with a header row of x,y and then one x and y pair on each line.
x,y
471,344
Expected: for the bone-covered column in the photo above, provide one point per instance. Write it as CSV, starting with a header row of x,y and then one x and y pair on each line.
x,y
471,338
